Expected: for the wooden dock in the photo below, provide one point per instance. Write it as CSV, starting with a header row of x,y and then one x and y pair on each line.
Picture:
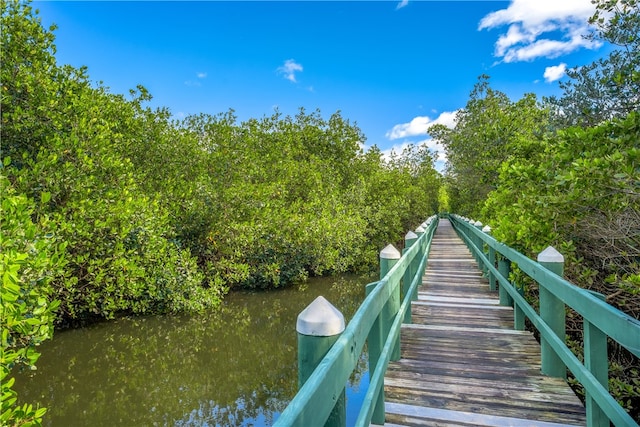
x,y
462,364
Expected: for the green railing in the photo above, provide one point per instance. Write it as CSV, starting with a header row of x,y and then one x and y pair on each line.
x,y
600,320
328,352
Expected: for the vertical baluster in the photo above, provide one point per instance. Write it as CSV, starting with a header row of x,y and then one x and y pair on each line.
x,y
491,255
597,362
504,268
409,239
420,231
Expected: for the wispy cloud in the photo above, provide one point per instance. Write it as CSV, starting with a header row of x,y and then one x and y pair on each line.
x,y
419,125
402,4
551,74
289,70
541,28
195,83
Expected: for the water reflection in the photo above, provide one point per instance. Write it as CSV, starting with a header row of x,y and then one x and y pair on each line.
x,y
234,367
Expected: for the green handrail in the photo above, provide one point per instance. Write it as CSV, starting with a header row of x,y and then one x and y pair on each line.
x,y
597,314
315,400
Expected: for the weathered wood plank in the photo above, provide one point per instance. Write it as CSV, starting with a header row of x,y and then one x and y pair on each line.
x,y
463,306
459,418
462,364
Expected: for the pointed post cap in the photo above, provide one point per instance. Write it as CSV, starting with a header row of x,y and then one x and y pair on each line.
x,y
486,229
477,224
420,229
390,252
410,235
550,254
320,319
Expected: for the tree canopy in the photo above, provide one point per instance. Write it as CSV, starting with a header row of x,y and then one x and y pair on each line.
x,y
110,207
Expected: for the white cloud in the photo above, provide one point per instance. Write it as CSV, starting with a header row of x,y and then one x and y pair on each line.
x,y
202,75
289,69
402,4
529,20
551,74
419,125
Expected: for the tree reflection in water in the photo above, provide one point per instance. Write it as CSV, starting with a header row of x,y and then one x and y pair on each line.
x,y
232,367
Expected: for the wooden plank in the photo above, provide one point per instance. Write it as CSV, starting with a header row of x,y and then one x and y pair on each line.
x,y
466,329
488,301
464,306
507,384
461,362
465,418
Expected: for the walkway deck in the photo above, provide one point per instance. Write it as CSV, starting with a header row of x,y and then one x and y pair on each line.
x,y
462,363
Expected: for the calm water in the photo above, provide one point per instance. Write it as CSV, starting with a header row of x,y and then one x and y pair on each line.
x,y
235,367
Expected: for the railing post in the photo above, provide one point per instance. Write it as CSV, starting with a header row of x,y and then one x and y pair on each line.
x,y
596,360
504,268
375,343
492,260
409,239
420,230
477,242
380,328
518,314
319,326
474,241
552,311
480,246
389,256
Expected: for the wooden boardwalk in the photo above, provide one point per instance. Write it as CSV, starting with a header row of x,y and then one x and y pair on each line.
x,y
462,363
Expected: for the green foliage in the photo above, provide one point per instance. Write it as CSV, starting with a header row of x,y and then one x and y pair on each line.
x,y
69,139
489,130
609,87
443,199
579,193
30,256
163,216
29,74
295,196
121,254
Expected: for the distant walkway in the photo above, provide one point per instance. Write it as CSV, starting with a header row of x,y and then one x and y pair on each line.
x,y
462,363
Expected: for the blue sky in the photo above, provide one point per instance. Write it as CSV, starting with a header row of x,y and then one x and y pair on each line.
x,y
391,67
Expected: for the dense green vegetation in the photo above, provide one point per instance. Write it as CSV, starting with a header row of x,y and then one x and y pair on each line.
x,y
565,172
110,207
